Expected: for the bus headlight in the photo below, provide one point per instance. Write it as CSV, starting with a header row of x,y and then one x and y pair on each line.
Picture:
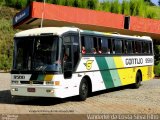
x,y
14,89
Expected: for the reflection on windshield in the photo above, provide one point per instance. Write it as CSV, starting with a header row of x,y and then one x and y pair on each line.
x,y
38,53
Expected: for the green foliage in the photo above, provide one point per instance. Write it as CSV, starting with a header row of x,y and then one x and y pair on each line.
x,y
115,6
106,6
60,2
157,69
141,8
125,7
93,4
6,37
69,2
83,3
151,14
149,2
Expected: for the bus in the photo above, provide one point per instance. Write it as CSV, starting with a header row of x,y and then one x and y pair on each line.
x,y
67,61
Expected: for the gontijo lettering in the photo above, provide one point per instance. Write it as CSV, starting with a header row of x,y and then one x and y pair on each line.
x,y
133,61
138,61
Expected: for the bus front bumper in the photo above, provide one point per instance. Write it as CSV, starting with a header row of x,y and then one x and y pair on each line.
x,y
37,91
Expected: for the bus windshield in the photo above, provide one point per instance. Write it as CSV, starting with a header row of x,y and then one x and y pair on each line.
x,y
36,53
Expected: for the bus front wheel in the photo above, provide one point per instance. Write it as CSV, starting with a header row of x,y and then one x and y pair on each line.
x,y
83,90
138,80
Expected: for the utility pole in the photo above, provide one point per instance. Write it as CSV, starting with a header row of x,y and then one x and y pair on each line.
x,y
43,13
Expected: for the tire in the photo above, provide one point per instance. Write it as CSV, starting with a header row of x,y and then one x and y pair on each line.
x,y
13,99
83,90
138,79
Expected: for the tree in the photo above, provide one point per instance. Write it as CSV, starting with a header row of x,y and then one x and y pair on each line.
x,y
93,4
83,3
149,2
115,6
125,7
60,2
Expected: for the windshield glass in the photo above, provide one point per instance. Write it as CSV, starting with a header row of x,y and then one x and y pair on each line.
x,y
36,53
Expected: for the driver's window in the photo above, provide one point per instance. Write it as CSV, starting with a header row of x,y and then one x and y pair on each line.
x,y
67,53
71,50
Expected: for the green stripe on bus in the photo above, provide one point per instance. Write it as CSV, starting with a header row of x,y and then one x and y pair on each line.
x,y
41,77
114,73
107,78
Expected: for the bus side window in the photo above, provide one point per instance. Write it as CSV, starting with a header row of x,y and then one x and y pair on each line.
x,y
83,45
133,47
124,47
103,45
88,44
145,47
129,46
110,45
95,45
118,46
100,45
113,46
138,47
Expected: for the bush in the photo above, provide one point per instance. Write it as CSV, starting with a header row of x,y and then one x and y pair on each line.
x,y
157,70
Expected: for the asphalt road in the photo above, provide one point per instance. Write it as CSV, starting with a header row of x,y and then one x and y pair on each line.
x,y
122,100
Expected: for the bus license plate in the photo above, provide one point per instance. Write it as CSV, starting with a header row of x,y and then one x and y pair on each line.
x,y
31,89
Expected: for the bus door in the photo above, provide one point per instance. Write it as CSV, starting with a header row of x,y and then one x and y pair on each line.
x,y
70,55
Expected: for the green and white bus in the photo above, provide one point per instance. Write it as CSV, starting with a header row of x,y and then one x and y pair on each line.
x,y
65,61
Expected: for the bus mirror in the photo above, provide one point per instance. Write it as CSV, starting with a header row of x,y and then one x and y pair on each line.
x,y
67,74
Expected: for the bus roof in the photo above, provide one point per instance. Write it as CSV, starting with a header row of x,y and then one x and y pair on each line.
x,y
61,30
45,30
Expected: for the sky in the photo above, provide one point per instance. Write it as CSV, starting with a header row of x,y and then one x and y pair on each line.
x,y
155,1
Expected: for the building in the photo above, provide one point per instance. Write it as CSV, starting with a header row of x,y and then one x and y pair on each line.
x,y
57,15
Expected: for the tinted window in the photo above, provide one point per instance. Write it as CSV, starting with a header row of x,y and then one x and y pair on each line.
x,y
128,45
145,47
118,46
103,43
138,47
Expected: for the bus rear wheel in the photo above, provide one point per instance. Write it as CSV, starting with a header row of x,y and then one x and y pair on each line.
x,y
83,90
138,81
